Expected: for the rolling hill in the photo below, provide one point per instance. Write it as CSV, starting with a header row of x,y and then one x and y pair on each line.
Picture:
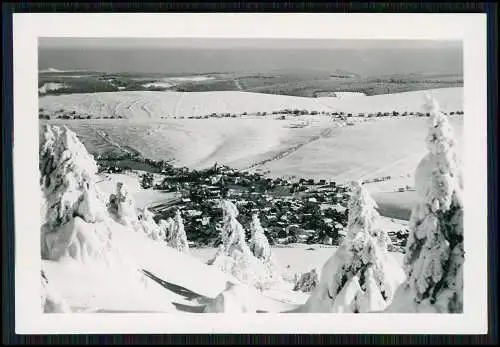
x,y
321,147
153,105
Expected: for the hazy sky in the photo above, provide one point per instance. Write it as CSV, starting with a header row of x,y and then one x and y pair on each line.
x,y
251,55
204,43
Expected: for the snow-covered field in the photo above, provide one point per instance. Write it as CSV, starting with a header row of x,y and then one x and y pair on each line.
x,y
345,94
293,259
52,70
149,104
450,100
50,86
158,84
189,78
324,148
368,150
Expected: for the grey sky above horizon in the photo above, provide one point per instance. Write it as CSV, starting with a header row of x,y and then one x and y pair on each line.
x,y
232,43
200,55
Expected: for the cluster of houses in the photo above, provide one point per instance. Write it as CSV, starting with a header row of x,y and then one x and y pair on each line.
x,y
395,114
66,114
387,178
377,179
62,114
302,211
282,114
398,239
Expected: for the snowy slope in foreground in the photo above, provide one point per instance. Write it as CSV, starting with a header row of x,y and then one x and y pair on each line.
x,y
105,257
181,282
118,286
150,104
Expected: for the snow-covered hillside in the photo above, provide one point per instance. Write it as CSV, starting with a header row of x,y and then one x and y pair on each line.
x,y
149,104
450,100
368,150
96,260
322,147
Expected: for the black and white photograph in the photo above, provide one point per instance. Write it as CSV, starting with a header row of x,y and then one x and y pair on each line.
x,y
201,177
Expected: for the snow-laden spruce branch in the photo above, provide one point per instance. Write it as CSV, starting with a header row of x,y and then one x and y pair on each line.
x,y
435,252
361,276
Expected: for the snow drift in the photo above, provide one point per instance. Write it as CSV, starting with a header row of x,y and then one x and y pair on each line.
x,y
234,299
51,299
176,236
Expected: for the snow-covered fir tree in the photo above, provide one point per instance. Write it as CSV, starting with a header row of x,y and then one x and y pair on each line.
x,y
176,237
166,227
434,251
363,216
307,281
259,245
148,225
235,257
232,234
362,253
67,178
86,254
122,205
74,210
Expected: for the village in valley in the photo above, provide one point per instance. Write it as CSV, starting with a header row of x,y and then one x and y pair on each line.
x,y
295,210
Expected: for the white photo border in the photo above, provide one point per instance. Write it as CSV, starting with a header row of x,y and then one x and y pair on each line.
x,y
28,27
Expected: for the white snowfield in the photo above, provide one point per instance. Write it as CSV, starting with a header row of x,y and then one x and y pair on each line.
x,y
189,78
51,69
344,94
150,104
158,84
369,150
323,150
95,287
181,283
450,100
47,87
